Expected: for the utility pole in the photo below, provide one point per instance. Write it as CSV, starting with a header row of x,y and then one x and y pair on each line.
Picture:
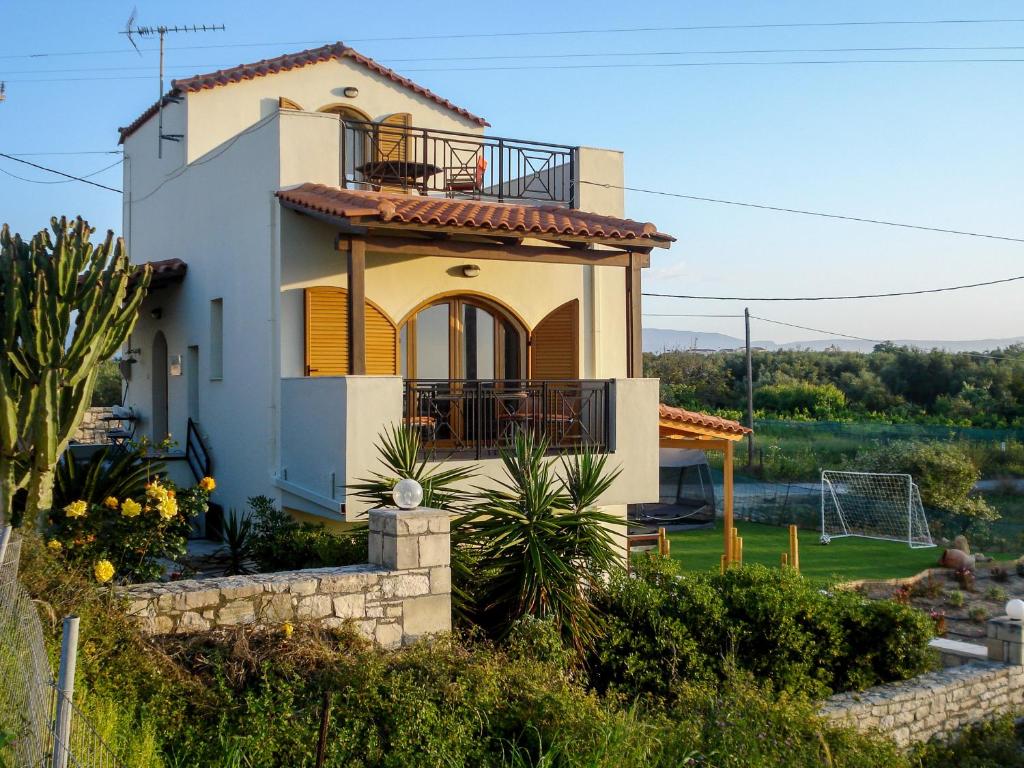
x,y
750,391
132,29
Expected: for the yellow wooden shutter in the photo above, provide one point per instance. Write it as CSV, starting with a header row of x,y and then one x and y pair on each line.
x,y
554,344
327,335
283,102
393,137
326,331
381,343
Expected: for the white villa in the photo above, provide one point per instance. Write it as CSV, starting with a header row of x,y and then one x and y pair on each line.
x,y
337,249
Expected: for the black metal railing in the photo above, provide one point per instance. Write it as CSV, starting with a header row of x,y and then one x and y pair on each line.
x,y
458,165
196,453
477,418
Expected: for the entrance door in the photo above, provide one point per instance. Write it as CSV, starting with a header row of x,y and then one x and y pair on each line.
x,y
159,373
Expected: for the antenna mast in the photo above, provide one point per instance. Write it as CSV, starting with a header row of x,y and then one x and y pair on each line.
x,y
131,29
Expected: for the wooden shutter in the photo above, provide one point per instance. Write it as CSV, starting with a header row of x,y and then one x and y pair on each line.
x,y
283,102
326,331
393,137
327,335
381,343
554,344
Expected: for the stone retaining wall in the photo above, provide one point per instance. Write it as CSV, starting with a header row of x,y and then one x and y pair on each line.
x,y
937,703
404,593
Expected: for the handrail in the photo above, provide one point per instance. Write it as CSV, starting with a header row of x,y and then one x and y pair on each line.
x,y
196,453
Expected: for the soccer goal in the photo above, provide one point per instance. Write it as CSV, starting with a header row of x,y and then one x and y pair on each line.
x,y
874,506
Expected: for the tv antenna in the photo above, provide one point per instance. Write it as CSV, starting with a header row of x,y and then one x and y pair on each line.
x,y
3,91
133,30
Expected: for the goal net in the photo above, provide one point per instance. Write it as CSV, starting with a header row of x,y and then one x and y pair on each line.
x,y
872,505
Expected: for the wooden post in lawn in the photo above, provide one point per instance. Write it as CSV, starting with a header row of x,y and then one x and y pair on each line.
x,y
727,526
794,548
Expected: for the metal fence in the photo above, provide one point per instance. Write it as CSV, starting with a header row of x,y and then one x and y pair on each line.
x,y
40,726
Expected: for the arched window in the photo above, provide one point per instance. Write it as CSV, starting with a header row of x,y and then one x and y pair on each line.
x,y
356,131
462,337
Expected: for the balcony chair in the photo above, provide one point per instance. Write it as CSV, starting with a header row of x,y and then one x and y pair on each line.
x,y
466,180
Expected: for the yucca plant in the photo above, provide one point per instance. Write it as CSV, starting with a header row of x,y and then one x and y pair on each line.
x,y
399,450
541,548
110,471
238,543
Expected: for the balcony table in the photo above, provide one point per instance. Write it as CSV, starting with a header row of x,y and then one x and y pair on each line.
x,y
397,171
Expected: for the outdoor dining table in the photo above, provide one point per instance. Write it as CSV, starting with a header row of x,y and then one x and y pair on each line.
x,y
397,171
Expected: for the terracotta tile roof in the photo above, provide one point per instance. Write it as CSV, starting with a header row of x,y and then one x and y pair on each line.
x,y
472,214
165,272
285,63
704,420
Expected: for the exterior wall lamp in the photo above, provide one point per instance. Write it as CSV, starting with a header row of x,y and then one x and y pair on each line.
x,y
351,92
470,270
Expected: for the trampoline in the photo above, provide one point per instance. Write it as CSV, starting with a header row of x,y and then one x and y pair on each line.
x,y
686,495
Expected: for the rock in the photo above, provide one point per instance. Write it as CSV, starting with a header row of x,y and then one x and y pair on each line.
x,y
961,543
956,559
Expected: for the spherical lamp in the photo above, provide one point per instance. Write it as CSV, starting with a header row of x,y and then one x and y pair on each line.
x,y
407,494
1015,609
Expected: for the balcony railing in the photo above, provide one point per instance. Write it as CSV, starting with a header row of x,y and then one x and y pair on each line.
x,y
458,165
477,418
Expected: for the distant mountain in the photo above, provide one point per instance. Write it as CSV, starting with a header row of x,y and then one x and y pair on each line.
x,y
663,340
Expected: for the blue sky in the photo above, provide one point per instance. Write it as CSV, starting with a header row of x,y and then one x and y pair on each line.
x,y
934,144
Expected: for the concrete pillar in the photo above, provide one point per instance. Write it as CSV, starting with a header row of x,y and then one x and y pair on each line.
x,y
1005,640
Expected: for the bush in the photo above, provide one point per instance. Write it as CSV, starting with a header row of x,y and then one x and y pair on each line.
x,y
998,743
281,543
797,398
108,385
955,598
117,515
666,627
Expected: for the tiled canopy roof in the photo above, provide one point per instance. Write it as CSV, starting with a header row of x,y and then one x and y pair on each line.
x,y
686,418
285,63
539,220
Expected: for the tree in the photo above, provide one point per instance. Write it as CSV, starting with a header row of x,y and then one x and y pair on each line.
x,y
65,306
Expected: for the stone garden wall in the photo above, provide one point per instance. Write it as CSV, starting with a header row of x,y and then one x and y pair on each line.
x,y
402,594
92,429
940,703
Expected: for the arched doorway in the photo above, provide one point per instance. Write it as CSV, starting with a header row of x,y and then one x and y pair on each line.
x,y
159,401
462,337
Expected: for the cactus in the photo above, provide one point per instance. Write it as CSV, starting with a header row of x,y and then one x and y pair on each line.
x,y
65,306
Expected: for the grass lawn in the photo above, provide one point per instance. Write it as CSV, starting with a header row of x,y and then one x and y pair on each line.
x,y
842,560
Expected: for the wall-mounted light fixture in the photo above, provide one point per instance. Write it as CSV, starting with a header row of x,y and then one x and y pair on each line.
x,y
470,270
156,313
351,92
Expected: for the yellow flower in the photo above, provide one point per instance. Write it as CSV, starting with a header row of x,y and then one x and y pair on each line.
x,y
168,507
54,545
76,509
130,508
110,502
208,484
104,571
287,628
156,491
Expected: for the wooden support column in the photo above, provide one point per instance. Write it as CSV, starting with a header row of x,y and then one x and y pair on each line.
x,y
357,306
634,325
727,521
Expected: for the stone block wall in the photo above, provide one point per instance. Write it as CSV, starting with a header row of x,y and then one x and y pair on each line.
x,y
933,704
403,594
92,429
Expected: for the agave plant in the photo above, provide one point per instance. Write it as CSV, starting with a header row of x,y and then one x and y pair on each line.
x,y
399,451
238,543
541,547
110,471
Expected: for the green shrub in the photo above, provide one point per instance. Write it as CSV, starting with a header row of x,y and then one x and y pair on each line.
x,y
773,624
955,598
997,743
278,542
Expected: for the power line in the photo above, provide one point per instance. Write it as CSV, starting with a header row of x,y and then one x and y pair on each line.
x,y
63,181
802,212
60,173
586,55
837,298
548,33
669,314
80,152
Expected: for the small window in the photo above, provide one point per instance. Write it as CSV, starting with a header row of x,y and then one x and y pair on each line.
x,y
217,339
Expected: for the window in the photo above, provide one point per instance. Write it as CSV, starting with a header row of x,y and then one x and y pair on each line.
x,y
217,339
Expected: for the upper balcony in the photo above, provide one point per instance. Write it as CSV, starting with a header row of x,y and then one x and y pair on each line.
x,y
392,155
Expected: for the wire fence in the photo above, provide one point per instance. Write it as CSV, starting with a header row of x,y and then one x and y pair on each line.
x,y
40,726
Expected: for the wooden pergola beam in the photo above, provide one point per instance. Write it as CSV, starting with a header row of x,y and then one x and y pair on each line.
x,y
467,249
